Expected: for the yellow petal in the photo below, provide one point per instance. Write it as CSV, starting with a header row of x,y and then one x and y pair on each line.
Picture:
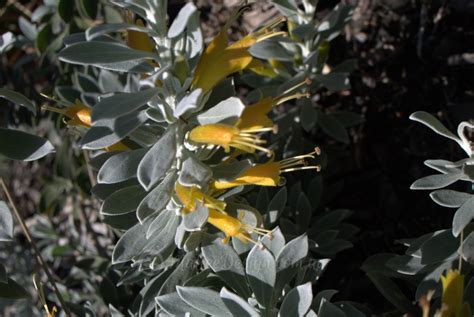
x,y
80,114
119,146
221,62
261,69
139,40
255,116
267,174
215,134
453,292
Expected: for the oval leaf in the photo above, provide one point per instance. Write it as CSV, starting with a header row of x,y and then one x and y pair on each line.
x,y
27,147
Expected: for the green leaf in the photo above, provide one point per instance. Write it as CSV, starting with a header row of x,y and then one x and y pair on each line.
x,y
275,243
289,259
237,305
18,99
66,10
204,300
261,274
121,104
391,292
433,123
227,111
308,116
44,38
3,275
194,221
181,21
328,309
98,53
101,29
120,167
276,206
467,253
174,305
184,271
194,172
108,132
226,263
229,171
449,198
334,81
271,50
6,222
158,198
158,160
26,147
12,290
89,7
333,127
123,201
298,301
130,244
188,104
463,216
436,181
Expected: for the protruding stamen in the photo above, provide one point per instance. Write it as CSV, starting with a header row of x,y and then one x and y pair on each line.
x,y
53,109
297,95
306,82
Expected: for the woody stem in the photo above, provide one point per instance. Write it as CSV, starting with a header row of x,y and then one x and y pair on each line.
x,y
39,257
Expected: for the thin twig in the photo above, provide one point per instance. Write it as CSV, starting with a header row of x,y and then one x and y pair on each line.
x,y
461,250
102,252
39,257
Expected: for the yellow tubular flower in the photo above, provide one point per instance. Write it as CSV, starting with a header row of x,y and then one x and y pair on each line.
x,y
453,292
189,196
79,114
221,59
228,136
139,40
268,174
259,68
255,116
233,227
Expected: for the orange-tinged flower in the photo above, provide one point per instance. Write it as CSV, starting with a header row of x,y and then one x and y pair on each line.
x,y
453,293
78,114
228,136
191,195
268,174
233,227
139,40
220,59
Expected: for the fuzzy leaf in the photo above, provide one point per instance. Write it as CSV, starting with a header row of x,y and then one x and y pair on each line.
x,y
121,104
18,99
237,305
204,299
27,147
97,53
158,159
261,274
436,181
449,198
226,263
157,199
120,167
463,216
298,301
